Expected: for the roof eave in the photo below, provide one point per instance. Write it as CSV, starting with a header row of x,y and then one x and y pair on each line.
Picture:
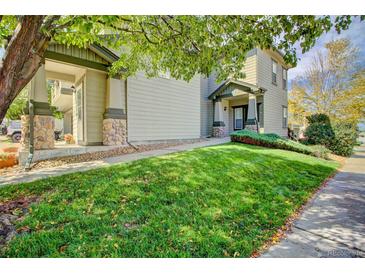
x,y
252,88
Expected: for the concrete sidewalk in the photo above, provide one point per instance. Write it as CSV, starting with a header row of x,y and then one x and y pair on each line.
x,y
33,175
333,223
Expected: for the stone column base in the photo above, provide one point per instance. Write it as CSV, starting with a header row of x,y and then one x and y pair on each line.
x,y
43,132
114,132
219,132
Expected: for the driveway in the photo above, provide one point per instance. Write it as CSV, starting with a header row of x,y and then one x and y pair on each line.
x,y
333,223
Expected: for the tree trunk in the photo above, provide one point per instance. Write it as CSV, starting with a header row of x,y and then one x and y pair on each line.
x,y
23,56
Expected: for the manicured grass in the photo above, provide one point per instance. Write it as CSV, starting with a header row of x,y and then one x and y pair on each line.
x,y
219,201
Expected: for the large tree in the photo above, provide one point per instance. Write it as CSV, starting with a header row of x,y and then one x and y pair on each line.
x,y
333,84
184,45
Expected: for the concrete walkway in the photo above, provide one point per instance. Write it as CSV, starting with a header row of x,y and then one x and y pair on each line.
x,y
37,174
333,223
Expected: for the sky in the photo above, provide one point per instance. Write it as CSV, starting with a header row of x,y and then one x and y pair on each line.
x,y
355,33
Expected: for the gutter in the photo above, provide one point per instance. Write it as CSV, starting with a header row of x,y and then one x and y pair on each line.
x,y
31,136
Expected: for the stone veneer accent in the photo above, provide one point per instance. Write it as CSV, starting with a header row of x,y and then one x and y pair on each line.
x,y
43,132
219,132
114,132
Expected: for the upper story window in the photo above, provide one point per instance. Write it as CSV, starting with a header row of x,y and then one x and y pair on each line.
x,y
285,116
274,71
285,78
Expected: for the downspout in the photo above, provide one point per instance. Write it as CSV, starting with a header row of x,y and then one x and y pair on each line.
x,y
126,106
31,136
126,111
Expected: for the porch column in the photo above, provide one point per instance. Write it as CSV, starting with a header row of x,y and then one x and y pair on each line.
x,y
43,122
251,123
115,118
219,128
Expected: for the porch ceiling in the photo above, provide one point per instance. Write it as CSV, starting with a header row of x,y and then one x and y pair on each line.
x,y
230,87
60,68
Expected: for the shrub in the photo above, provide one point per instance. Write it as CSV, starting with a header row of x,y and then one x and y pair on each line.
x,y
345,138
10,149
340,137
320,151
8,160
319,131
318,118
271,140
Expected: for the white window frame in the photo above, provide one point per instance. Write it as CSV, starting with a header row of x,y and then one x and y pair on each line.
x,y
235,118
285,78
285,116
274,70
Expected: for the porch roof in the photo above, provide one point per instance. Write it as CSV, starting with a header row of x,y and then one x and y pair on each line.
x,y
94,56
226,89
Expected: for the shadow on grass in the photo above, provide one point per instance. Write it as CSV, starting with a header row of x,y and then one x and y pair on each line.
x,y
216,201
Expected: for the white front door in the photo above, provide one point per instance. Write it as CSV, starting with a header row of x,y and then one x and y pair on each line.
x,y
238,118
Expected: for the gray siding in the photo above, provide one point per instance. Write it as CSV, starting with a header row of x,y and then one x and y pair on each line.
x,y
250,69
161,109
275,97
95,105
206,111
208,85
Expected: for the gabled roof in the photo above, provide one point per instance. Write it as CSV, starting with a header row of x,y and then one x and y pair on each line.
x,y
104,52
94,56
244,86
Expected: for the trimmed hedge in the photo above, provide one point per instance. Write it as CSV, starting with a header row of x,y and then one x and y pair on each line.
x,y
274,141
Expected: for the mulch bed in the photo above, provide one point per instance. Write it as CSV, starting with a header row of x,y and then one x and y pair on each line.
x,y
11,212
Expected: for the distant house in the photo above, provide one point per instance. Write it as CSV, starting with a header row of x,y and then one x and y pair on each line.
x,y
103,110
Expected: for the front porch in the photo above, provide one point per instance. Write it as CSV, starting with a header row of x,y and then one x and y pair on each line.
x,y
74,82
62,149
237,105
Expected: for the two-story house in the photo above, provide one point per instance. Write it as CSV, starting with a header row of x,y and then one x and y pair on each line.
x,y
103,110
257,102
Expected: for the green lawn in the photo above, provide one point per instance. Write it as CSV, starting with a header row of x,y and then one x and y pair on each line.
x,y
219,201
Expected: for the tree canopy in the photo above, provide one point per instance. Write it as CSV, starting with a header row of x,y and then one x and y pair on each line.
x,y
333,84
183,45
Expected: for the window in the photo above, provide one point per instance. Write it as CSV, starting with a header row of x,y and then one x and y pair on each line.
x,y
285,117
274,71
285,78
165,75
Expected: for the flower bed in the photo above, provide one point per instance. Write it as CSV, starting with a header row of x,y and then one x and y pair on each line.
x,y
8,160
272,141
8,157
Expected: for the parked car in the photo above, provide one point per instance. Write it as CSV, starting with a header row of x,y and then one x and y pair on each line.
x,y
3,129
14,131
